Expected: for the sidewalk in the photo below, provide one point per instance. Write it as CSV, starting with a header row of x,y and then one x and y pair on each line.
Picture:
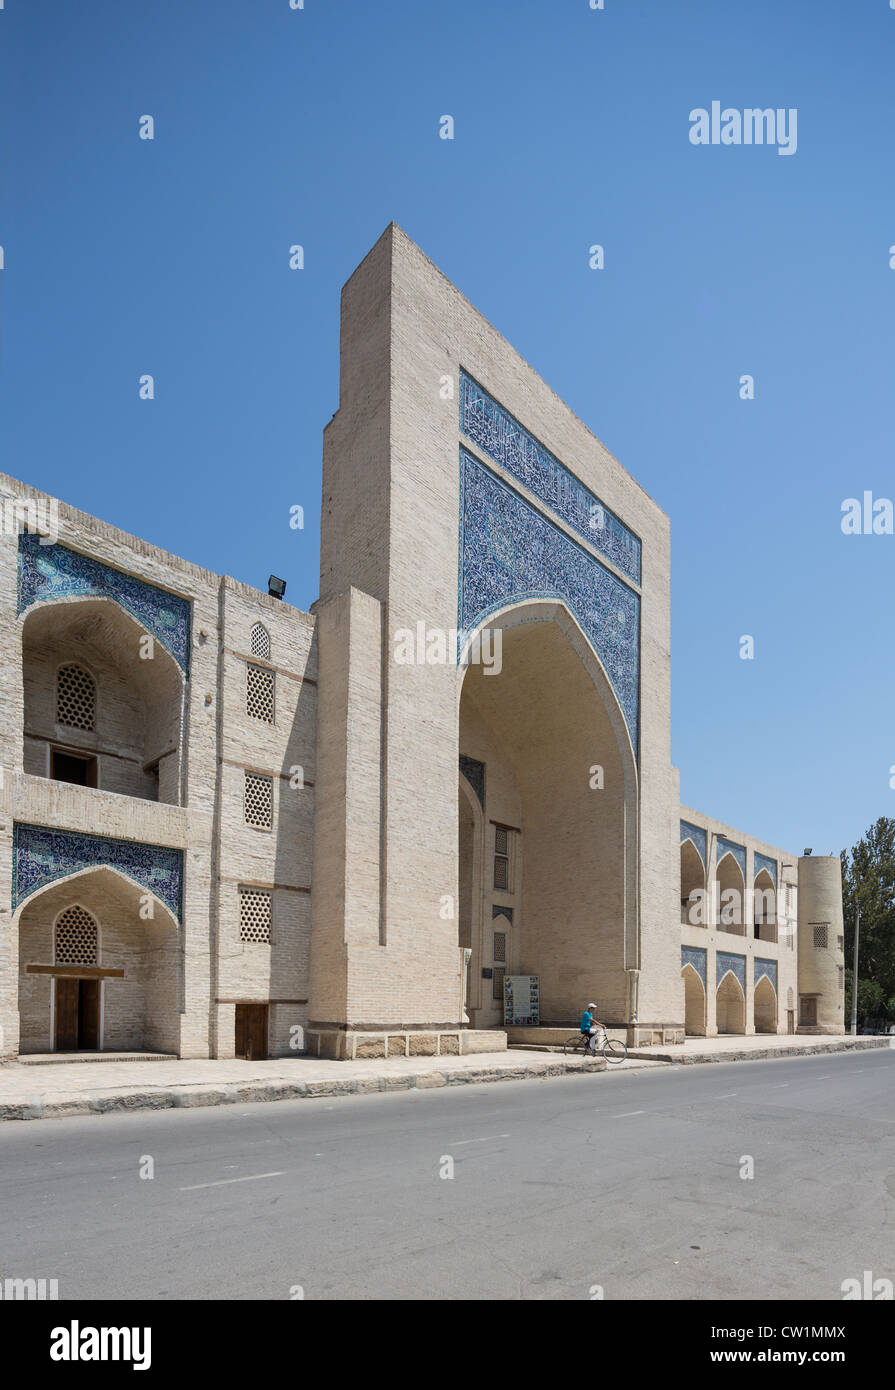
x,y
139,1082
94,1087
734,1048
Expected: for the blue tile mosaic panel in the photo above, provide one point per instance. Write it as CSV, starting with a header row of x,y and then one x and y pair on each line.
x,y
763,862
723,847
728,960
499,435
693,832
474,772
695,956
48,572
509,552
766,967
42,855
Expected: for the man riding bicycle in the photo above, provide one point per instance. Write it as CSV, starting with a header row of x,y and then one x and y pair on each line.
x,y
589,1028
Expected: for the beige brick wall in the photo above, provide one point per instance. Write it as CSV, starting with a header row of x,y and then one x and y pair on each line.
x,y
167,999
365,780
404,328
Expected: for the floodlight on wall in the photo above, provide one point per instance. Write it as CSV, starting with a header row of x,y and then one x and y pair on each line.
x,y
276,587
808,851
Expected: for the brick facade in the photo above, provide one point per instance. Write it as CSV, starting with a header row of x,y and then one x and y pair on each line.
x,y
330,860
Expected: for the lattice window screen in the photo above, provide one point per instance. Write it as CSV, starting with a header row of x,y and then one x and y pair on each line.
x,y
259,693
75,698
497,982
260,642
500,945
820,934
255,914
258,801
76,937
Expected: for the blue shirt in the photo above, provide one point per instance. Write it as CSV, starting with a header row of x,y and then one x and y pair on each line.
x,y
586,1021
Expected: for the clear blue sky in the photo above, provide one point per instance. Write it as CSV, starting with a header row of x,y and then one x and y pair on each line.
x,y
318,126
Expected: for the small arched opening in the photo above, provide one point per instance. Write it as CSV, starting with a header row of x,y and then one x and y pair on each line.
x,y
731,892
694,1002
693,907
764,907
765,1005
730,1005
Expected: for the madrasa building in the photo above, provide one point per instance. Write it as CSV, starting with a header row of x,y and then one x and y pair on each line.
x,y
228,827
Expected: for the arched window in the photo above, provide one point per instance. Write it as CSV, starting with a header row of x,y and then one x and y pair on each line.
x,y
76,937
75,698
260,642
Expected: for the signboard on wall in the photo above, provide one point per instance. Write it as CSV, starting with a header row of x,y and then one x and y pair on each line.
x,y
520,1000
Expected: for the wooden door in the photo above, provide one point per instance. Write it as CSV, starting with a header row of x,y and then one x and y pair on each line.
x,y
251,1031
88,1014
240,1048
67,996
258,1032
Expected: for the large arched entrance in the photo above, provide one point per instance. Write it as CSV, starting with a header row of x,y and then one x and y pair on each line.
x,y
99,967
557,890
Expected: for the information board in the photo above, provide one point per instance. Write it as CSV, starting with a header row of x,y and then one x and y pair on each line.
x,y
520,1000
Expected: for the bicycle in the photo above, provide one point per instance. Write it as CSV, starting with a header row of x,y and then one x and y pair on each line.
x,y
612,1049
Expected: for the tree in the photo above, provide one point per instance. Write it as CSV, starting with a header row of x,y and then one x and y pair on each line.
x,y
868,878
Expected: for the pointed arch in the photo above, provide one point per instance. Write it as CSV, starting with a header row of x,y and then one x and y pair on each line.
x,y
731,894
259,642
103,692
692,883
694,1002
765,1006
161,913
764,907
575,784
730,1004
75,937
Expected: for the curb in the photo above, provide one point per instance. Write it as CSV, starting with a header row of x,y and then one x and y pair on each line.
x,y
198,1096
760,1054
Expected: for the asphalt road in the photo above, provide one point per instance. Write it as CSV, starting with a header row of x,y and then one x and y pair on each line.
x,y
631,1182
